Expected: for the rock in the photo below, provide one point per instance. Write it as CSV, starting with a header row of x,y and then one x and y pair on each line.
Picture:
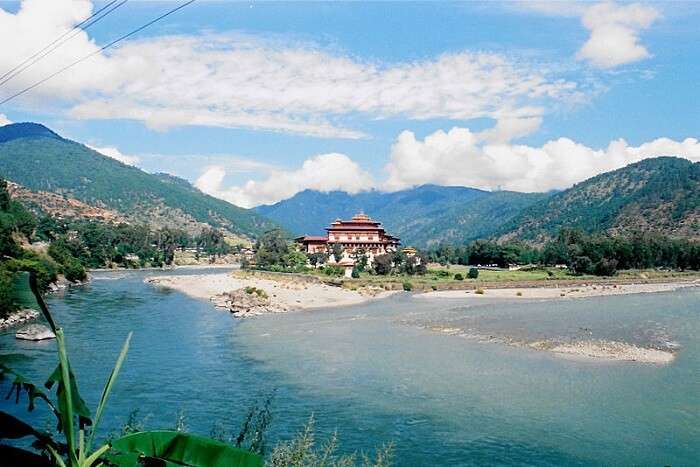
x,y
35,332
244,303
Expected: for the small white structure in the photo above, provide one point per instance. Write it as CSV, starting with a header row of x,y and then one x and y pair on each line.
x,y
347,264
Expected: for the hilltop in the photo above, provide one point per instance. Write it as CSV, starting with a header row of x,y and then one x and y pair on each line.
x,y
40,160
659,195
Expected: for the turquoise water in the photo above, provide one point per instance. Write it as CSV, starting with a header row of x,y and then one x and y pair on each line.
x,y
375,374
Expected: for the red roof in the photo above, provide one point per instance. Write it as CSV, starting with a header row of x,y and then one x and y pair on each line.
x,y
311,238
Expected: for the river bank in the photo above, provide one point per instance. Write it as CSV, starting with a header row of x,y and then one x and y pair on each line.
x,y
284,295
557,291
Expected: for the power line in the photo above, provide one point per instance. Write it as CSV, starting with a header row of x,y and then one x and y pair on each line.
x,y
125,36
82,26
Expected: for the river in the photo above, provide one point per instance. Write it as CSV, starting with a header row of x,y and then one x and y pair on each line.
x,y
374,373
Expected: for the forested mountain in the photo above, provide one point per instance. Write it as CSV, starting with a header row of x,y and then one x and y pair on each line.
x,y
660,195
40,160
422,216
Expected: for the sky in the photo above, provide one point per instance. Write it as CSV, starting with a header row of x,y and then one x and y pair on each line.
x,y
255,101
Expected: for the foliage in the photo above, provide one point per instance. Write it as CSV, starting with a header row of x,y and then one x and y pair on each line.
x,y
169,447
473,273
250,290
583,253
459,277
270,249
383,264
302,451
660,193
407,286
479,291
355,273
333,270
337,252
317,258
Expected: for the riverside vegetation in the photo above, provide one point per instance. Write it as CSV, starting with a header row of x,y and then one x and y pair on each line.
x,y
80,444
572,255
52,247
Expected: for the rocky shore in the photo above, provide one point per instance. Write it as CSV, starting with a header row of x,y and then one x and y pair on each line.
x,y
20,317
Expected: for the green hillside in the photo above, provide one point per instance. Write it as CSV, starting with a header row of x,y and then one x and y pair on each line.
x,y
421,216
660,195
37,158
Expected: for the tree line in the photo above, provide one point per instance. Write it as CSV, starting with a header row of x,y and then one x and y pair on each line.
x,y
582,253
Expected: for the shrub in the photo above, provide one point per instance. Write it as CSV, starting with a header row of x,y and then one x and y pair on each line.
x,y
473,273
606,267
407,286
434,287
581,265
254,290
519,294
479,291
333,271
355,273
459,277
442,273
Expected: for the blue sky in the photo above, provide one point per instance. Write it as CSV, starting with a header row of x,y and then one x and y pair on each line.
x,y
256,101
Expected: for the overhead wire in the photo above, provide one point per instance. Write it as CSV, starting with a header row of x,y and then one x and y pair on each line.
x,y
58,42
103,48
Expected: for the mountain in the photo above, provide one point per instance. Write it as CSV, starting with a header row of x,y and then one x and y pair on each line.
x,y
42,161
659,195
422,216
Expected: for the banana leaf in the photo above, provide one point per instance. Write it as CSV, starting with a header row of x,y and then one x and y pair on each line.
x,y
21,383
25,294
11,455
177,448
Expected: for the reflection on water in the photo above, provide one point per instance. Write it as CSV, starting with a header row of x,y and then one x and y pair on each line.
x,y
375,374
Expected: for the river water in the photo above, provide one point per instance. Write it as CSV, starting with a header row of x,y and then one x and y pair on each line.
x,y
375,373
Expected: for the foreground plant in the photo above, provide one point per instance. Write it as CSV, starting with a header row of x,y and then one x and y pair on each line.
x,y
76,448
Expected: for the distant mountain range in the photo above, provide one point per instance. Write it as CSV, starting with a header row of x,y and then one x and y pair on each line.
x,y
655,195
422,216
42,161
659,195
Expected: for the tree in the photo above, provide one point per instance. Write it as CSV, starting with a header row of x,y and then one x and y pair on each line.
x,y
473,273
337,252
606,267
317,258
4,195
271,248
383,264
581,265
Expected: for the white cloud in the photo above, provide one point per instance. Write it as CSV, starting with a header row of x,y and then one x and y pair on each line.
x,y
615,32
114,153
325,172
4,120
614,28
237,81
461,157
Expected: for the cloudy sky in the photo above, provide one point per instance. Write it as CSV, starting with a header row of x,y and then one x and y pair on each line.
x,y
253,102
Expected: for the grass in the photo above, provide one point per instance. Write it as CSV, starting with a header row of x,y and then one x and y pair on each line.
x,y
443,278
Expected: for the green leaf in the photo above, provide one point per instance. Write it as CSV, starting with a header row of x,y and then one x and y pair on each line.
x,y
12,427
26,295
21,383
107,389
185,449
11,455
